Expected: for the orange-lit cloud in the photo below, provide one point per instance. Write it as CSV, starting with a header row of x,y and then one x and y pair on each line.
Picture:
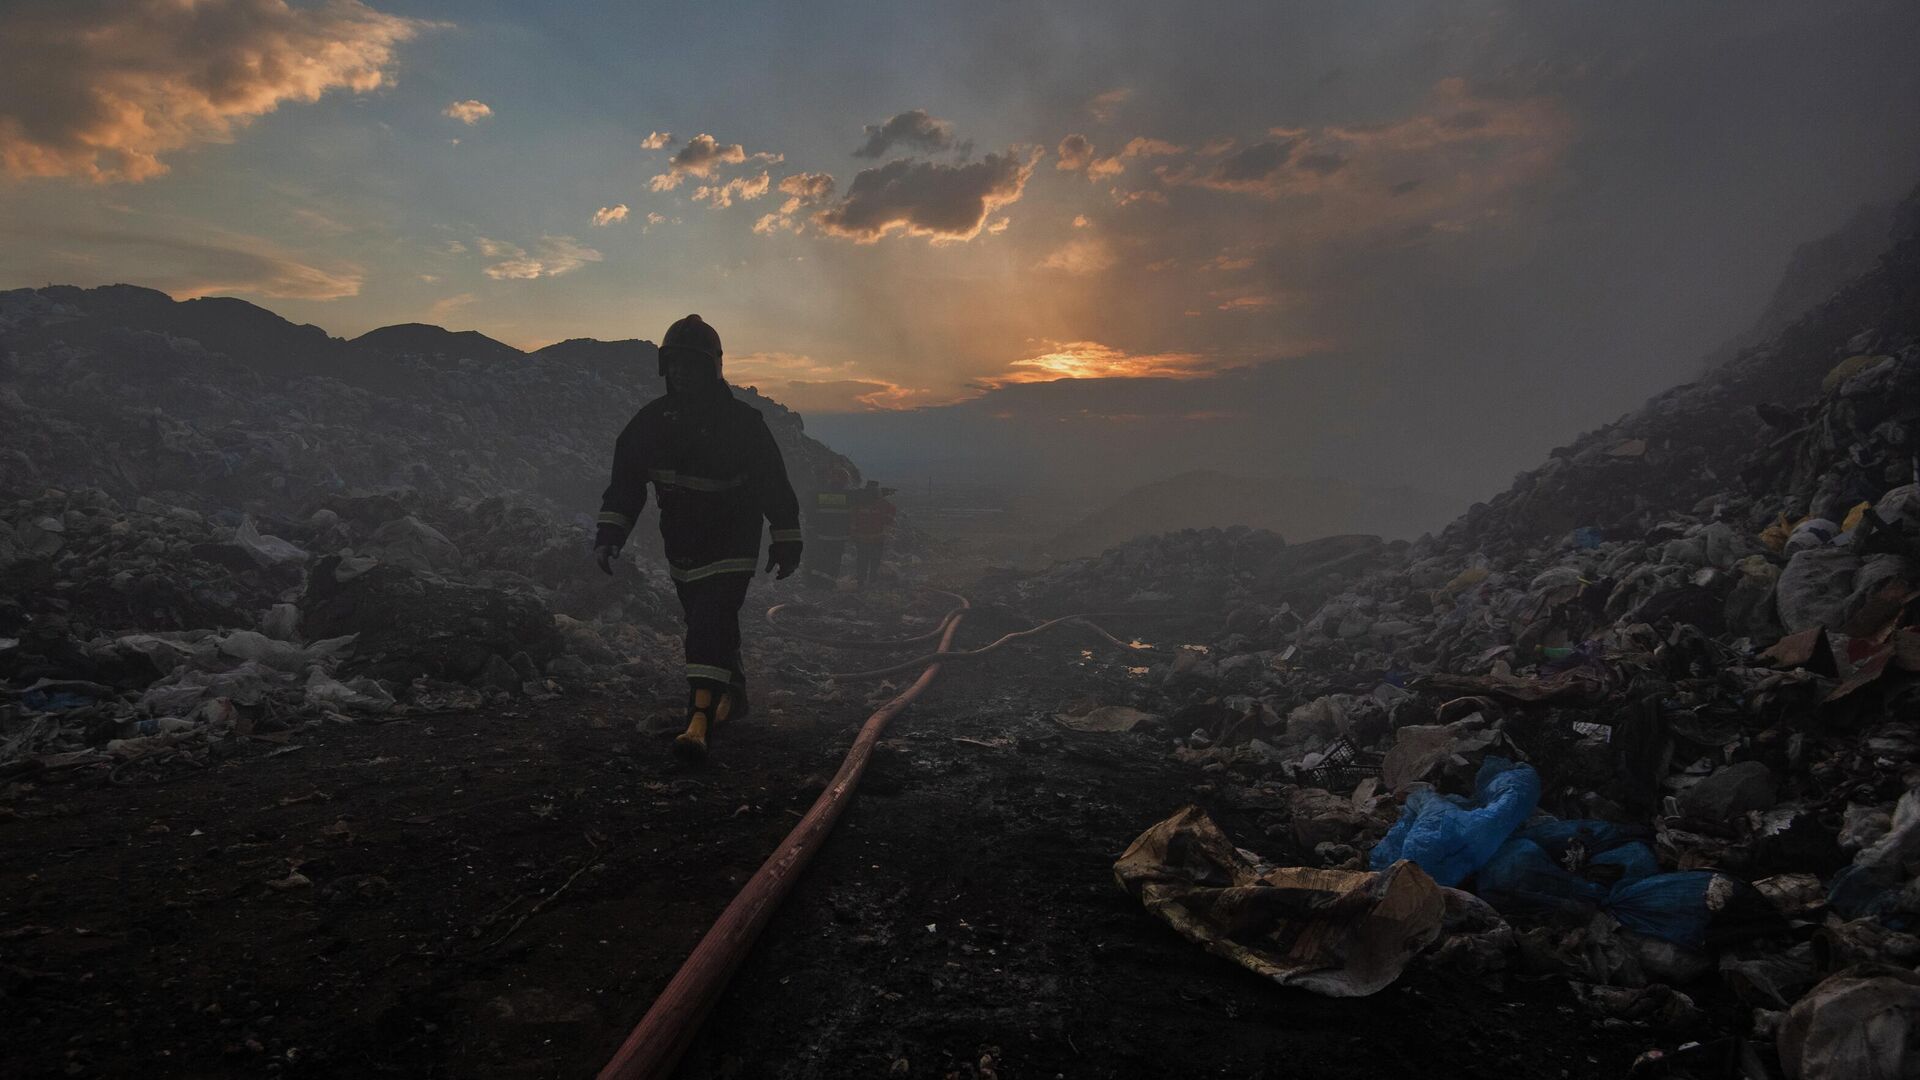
x,y
1252,302
446,307
657,140
1114,165
721,196
702,157
1092,360
808,385
469,112
607,215
920,198
805,189
205,262
1105,105
1080,256
1076,152
1457,147
100,91
553,256
802,191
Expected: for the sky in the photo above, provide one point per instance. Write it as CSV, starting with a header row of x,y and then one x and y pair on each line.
x,y
1392,241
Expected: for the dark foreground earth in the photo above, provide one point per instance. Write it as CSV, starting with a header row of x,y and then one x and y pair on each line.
x,y
502,893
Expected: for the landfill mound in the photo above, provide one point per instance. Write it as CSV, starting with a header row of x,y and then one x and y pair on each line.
x,y
1655,703
213,517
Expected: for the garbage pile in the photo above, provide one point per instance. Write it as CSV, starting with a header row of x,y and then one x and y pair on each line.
x,y
195,543
1656,708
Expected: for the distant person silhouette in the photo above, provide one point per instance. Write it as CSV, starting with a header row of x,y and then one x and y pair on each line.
x,y
717,473
872,518
828,523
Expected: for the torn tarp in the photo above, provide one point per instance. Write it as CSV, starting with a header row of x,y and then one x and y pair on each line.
x,y
1335,932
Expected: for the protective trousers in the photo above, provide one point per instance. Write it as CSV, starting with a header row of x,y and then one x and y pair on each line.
x,y
712,608
866,559
823,557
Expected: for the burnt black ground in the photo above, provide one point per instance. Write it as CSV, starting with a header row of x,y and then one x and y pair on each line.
x,y
964,909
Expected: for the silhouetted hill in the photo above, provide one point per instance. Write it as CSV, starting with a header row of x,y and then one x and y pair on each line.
x,y
546,419
221,324
425,339
1297,508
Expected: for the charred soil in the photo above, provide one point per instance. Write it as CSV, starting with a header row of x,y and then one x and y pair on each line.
x,y
503,892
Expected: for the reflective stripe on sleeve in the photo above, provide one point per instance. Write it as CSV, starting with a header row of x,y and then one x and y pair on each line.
x,y
781,536
608,517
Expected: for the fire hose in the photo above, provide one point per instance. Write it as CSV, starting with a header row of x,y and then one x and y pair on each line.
x,y
655,1046
657,1043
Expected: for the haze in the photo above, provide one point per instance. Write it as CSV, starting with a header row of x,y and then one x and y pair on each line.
x,y
1393,244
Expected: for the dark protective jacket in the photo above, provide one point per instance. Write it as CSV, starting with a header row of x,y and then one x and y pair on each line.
x,y
717,473
830,515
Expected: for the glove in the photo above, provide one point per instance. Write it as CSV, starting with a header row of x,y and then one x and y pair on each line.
x,y
603,556
784,554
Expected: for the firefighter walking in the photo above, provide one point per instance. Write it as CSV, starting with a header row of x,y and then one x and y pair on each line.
x,y
828,523
717,474
872,518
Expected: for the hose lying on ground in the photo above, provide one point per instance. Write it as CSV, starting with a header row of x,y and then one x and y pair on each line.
x,y
773,619
663,1035
906,665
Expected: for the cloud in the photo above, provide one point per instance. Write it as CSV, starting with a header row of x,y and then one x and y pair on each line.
x,y
1135,148
913,128
1080,256
468,112
607,215
556,255
805,189
1076,152
1081,221
802,191
1105,105
1456,146
208,262
703,156
655,219
446,306
812,386
1253,302
849,395
99,90
740,187
657,140
1092,360
921,198
1254,168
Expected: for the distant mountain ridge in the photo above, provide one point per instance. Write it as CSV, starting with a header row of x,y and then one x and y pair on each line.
x,y
1298,508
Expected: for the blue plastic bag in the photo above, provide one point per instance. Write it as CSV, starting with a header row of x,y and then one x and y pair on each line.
x,y
1594,835
1522,879
1671,907
1451,840
1695,908
1529,873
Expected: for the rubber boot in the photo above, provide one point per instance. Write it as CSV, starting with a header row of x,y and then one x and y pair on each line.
x,y
734,705
690,745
